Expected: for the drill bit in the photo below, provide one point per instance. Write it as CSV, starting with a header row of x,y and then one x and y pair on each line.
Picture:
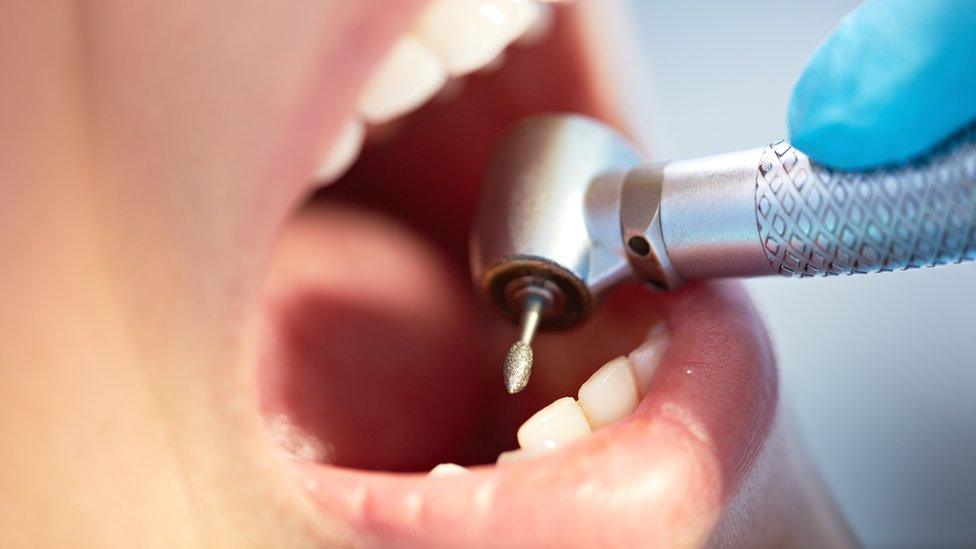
x,y
518,363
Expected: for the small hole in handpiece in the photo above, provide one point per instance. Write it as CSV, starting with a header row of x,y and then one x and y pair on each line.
x,y
639,245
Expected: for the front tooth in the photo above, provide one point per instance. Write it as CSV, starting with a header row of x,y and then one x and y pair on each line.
x,y
467,34
646,358
609,394
343,153
447,470
409,76
512,456
560,422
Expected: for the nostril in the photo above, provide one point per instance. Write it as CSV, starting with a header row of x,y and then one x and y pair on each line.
x,y
639,245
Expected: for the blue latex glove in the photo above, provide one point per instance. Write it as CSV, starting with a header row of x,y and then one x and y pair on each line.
x,y
895,78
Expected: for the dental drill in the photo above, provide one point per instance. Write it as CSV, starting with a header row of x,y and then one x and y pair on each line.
x,y
567,212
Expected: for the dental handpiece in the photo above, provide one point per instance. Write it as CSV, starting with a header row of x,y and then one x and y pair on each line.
x,y
568,211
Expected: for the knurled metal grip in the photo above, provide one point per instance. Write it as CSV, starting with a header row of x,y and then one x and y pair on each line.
x,y
815,221
774,211
566,208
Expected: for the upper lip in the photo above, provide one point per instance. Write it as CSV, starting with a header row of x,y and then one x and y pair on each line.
x,y
661,476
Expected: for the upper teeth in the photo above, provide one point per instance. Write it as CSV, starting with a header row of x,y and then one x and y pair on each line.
x,y
450,38
468,34
344,150
408,77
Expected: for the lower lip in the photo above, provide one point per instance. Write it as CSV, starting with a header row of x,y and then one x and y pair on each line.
x,y
674,461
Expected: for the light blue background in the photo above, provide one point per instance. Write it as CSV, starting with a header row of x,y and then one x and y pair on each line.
x,y
880,370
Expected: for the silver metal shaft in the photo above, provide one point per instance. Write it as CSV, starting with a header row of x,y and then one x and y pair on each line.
x,y
567,206
774,211
534,307
518,362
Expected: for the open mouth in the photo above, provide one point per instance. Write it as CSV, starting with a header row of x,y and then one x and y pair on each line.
x,y
380,362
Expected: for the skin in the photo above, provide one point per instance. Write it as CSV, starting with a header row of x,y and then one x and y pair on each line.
x,y
151,156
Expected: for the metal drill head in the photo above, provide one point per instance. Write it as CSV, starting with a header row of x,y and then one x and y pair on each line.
x,y
518,363
549,215
518,367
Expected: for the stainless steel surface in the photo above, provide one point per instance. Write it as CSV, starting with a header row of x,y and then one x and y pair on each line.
x,y
773,211
549,216
531,314
708,216
641,230
565,210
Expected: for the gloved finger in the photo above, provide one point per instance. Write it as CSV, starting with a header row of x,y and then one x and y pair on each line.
x,y
894,79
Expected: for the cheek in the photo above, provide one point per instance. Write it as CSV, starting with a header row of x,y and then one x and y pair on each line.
x,y
372,348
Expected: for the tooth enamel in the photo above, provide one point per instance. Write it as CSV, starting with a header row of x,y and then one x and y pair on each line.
x,y
646,358
408,77
467,34
609,394
539,29
560,422
512,456
447,470
343,153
